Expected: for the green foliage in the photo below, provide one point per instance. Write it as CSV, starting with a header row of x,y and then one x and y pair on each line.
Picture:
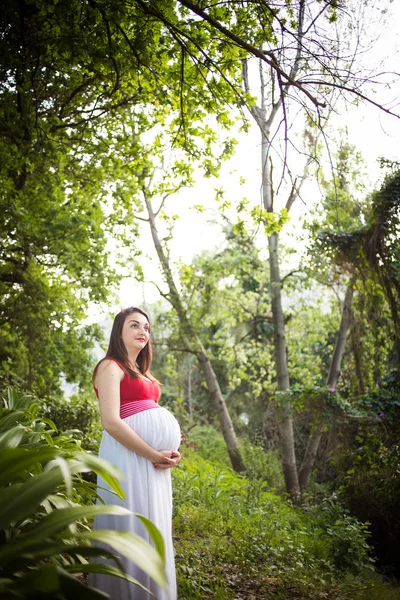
x,y
80,85
210,445
272,221
45,504
261,466
368,465
78,414
233,536
324,401
264,466
347,537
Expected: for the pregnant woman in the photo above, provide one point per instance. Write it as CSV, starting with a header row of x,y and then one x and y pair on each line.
x,y
142,440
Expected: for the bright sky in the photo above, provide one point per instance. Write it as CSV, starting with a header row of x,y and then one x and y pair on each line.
x,y
371,131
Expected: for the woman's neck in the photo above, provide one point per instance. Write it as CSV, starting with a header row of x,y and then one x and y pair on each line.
x,y
132,357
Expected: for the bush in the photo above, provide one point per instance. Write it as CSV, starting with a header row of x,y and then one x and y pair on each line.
x,y
229,530
78,414
260,465
209,444
368,467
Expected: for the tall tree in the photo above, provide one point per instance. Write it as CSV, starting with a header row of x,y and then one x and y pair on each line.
x,y
144,173
68,71
272,112
193,343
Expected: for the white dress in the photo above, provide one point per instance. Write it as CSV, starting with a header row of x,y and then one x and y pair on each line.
x,y
148,491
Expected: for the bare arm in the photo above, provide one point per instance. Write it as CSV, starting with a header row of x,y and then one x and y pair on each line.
x,y
108,380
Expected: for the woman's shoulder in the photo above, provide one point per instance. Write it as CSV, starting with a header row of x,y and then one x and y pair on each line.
x,y
111,366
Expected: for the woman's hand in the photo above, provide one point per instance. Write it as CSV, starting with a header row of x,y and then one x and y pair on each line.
x,y
168,460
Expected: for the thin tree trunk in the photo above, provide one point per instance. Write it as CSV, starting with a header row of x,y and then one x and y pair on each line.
x,y
336,362
331,381
284,413
222,410
190,401
192,341
265,121
355,343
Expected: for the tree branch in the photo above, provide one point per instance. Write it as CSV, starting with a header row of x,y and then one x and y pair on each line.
x,y
265,56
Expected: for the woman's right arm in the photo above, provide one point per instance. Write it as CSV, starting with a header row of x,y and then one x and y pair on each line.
x,y
108,380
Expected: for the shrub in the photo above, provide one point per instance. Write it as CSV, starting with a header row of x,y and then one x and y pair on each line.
x,y
78,414
210,444
260,465
368,467
230,530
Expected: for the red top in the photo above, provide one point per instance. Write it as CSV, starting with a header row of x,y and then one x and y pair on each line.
x,y
136,394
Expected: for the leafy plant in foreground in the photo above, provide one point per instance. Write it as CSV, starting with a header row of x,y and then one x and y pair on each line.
x,y
45,539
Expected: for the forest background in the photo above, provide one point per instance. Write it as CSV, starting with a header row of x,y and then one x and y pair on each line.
x,y
277,341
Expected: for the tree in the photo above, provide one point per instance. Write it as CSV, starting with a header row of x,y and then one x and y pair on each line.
x,y
139,182
273,111
52,260
68,72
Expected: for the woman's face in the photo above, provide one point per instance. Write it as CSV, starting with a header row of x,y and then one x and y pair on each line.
x,y
135,332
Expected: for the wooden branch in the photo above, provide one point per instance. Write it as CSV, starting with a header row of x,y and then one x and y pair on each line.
x,y
265,56
163,294
112,57
269,58
165,198
12,278
178,34
295,191
344,88
290,274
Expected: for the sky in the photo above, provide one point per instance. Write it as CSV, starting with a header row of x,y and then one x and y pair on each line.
x,y
374,134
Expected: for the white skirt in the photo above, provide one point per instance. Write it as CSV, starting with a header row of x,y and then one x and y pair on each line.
x,y
148,491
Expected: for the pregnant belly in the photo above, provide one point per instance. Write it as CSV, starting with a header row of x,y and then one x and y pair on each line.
x,y
158,427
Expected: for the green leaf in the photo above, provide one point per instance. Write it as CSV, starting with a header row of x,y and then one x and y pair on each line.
x,y
104,570
51,581
14,461
9,419
105,469
134,548
155,535
58,520
66,472
21,500
12,563
12,437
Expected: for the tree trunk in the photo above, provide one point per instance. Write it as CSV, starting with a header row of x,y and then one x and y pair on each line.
x,y
223,414
355,343
331,381
265,121
283,413
192,341
336,362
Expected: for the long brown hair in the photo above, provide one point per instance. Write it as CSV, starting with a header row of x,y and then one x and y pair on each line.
x,y
117,350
